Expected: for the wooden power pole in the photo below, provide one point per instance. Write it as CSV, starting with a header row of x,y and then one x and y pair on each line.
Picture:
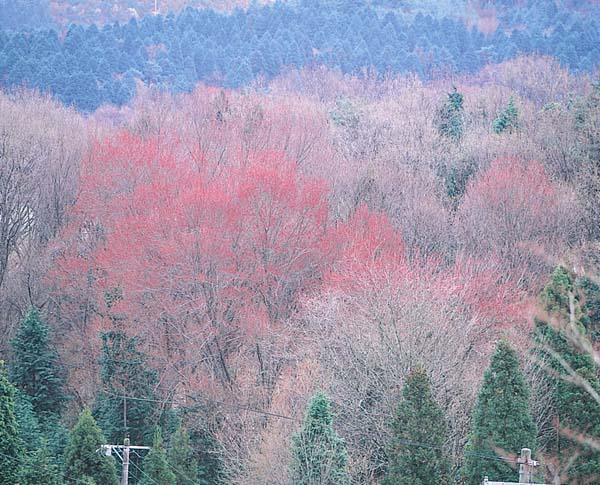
x,y
125,468
526,469
124,448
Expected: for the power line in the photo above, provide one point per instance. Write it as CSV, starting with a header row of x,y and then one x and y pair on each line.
x,y
174,468
207,399
466,453
143,472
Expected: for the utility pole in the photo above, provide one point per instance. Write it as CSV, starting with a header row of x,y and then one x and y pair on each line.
x,y
125,469
526,469
125,448
526,465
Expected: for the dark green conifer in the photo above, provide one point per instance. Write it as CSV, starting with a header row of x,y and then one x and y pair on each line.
x,y
318,453
39,464
451,116
35,368
11,447
155,467
574,408
39,468
507,120
502,421
181,458
416,455
126,375
83,463
203,419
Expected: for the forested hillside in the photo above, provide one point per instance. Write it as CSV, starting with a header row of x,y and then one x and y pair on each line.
x,y
313,242
90,66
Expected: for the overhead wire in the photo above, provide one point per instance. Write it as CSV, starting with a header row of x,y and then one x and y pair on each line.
x,y
277,415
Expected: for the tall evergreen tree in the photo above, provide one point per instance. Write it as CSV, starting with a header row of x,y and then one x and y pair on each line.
x,y
126,376
573,407
83,463
501,419
155,467
181,458
415,453
11,447
202,419
318,453
35,368
39,465
451,116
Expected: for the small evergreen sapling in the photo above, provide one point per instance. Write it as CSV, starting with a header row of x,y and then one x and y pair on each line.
x,y
83,463
318,453
507,120
155,466
181,458
451,116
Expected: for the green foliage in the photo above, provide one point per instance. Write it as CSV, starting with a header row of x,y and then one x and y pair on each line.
x,y
83,464
43,454
590,306
11,447
451,123
574,408
29,426
456,179
418,420
501,421
507,120
345,114
181,458
125,372
202,421
35,368
155,466
318,453
39,467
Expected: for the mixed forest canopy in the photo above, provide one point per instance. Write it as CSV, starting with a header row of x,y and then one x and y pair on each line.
x,y
88,66
313,242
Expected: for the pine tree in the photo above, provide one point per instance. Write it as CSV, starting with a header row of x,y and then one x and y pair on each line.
x,y
507,120
35,368
419,433
83,464
126,375
11,447
40,465
318,453
501,419
573,407
155,466
451,116
202,419
181,458
27,421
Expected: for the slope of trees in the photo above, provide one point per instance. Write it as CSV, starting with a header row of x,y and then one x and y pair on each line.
x,y
91,66
212,259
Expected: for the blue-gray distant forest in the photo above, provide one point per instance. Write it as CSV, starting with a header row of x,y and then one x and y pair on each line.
x,y
89,66
306,242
